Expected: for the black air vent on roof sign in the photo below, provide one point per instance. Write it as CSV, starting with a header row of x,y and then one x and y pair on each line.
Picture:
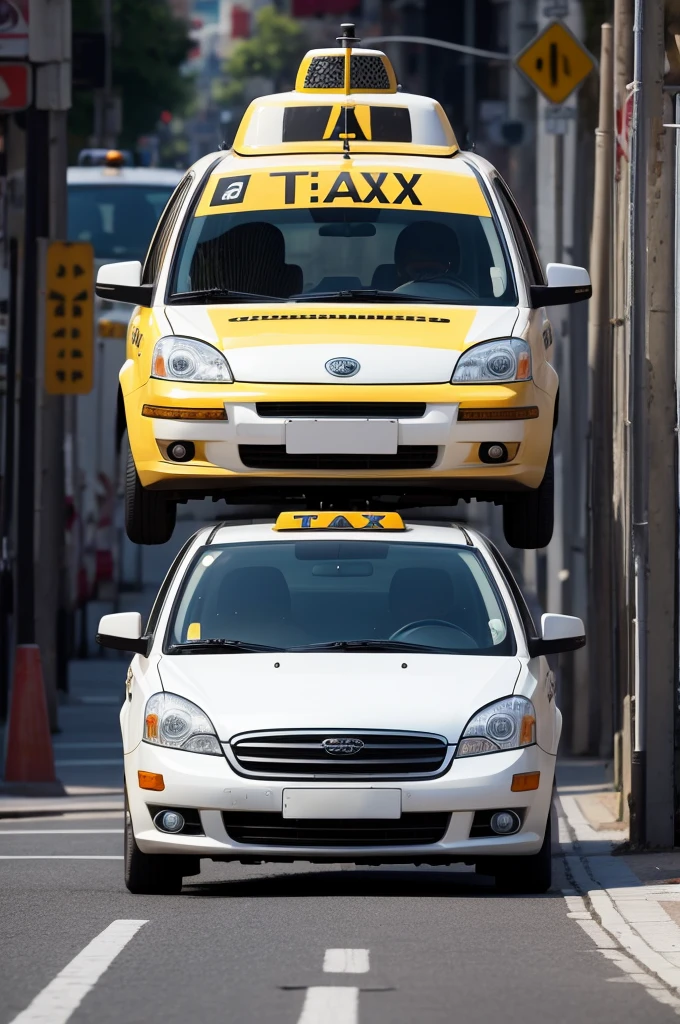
x,y
326,73
368,73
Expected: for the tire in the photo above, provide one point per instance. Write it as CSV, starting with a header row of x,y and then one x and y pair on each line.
x,y
528,518
149,874
530,875
149,515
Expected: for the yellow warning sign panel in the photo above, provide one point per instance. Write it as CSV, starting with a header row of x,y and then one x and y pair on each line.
x,y
555,62
69,318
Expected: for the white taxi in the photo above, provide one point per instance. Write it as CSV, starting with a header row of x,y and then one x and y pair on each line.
x,y
339,687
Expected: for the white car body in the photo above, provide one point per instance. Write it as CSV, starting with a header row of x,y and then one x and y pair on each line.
x,y
341,693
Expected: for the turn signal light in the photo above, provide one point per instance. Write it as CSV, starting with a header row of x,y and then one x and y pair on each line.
x,y
527,412
163,412
150,780
527,731
525,782
151,727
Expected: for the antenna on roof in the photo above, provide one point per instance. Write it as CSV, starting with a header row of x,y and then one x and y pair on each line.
x,y
348,40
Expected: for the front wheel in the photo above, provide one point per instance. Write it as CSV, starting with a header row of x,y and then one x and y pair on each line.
x,y
529,875
149,515
149,874
528,518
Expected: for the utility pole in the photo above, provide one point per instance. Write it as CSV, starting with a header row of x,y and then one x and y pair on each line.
x,y
622,570
39,504
652,403
600,548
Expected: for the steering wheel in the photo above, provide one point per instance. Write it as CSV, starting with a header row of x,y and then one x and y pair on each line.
x,y
441,279
419,623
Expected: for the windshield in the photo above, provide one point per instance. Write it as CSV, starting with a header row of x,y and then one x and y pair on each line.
x,y
118,220
296,594
434,240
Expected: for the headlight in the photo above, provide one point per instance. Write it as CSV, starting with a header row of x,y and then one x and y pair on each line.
x,y
505,725
495,361
172,721
189,359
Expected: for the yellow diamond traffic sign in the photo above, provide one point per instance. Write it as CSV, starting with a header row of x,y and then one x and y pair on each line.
x,y
555,62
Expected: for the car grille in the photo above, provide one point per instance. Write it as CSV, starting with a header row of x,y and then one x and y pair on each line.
x,y
268,829
300,755
275,456
373,410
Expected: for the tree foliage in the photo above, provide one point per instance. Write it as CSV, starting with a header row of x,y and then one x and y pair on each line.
x,y
274,51
149,46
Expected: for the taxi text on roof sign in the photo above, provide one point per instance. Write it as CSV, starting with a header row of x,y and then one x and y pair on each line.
x,y
555,62
280,189
69,318
339,521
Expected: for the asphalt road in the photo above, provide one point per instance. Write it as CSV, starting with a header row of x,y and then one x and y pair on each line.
x,y
249,944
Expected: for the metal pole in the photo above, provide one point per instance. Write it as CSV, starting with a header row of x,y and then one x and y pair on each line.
x,y
470,70
637,294
600,618
36,225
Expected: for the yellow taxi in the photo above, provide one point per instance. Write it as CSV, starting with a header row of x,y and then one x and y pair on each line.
x,y
345,307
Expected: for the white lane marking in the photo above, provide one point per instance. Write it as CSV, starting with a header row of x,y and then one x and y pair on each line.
x,y
327,1005
59,856
60,831
346,961
65,993
89,762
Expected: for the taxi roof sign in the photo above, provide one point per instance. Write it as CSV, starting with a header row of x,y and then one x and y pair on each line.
x,y
355,521
346,99
555,62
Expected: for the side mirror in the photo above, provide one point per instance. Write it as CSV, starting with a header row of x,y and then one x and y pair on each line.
x,y
559,634
122,282
123,632
565,284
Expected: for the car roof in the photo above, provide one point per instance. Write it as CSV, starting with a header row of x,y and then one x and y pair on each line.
x,y
447,532
123,176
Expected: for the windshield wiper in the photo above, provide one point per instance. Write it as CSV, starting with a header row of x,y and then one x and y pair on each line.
x,y
369,645
221,294
364,295
212,645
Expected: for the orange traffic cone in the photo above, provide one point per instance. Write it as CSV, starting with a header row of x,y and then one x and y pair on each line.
x,y
29,757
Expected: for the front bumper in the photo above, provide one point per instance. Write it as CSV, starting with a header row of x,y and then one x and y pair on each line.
x,y
219,461
211,786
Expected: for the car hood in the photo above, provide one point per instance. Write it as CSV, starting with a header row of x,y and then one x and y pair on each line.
x,y
393,343
420,693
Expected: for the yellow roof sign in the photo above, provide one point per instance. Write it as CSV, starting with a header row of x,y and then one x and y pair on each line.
x,y
339,521
555,62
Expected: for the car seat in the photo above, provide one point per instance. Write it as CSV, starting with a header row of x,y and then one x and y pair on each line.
x,y
250,257
424,593
253,604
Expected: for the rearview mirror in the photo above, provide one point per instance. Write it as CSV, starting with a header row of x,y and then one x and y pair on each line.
x,y
122,282
565,284
123,632
559,634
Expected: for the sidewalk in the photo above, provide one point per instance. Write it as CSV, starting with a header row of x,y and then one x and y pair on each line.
x,y
629,904
88,752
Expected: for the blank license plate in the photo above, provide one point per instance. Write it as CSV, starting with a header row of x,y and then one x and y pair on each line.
x,y
342,803
342,437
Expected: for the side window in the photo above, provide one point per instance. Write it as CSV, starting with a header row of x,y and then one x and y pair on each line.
x,y
523,239
159,243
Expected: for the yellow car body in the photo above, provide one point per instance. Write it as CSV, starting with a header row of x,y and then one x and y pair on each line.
x,y
399,425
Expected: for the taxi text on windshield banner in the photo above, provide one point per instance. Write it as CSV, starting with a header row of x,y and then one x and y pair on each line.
x,y
405,189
